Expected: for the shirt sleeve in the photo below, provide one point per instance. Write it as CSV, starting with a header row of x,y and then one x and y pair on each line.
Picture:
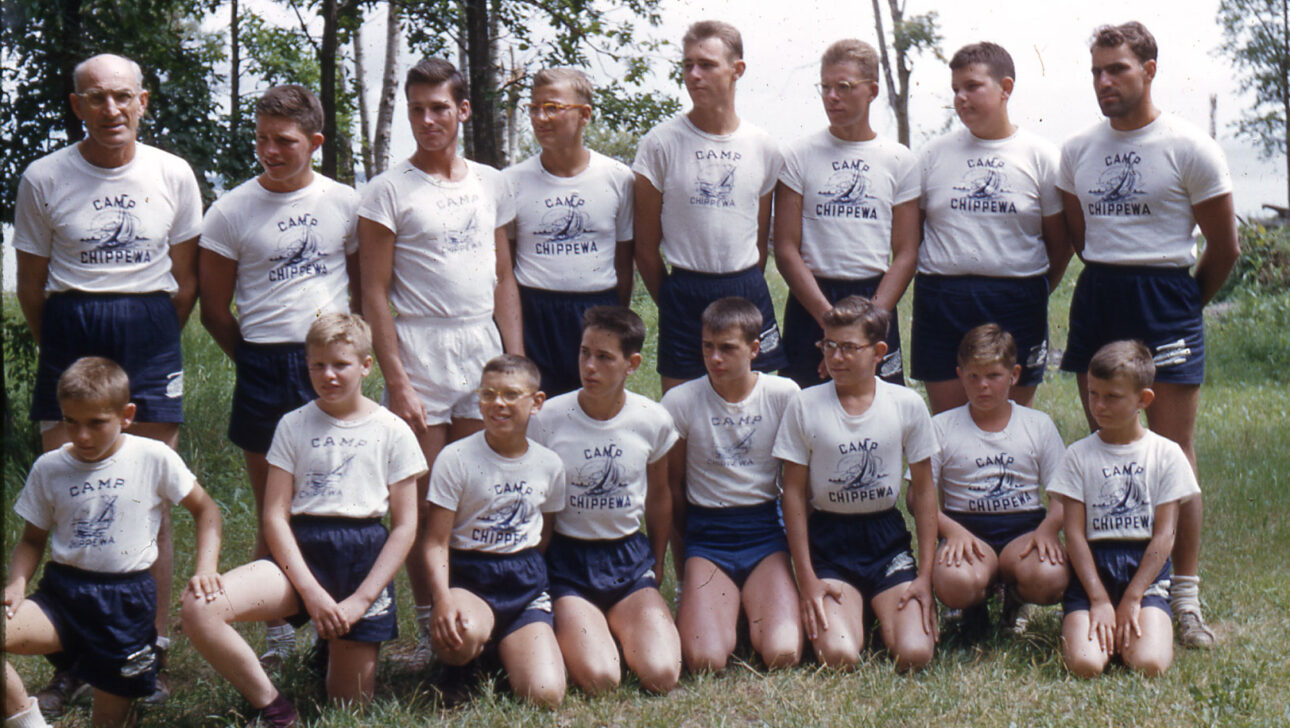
x,y
32,232
791,172
791,442
1204,171
774,164
665,436
351,219
176,480
1068,480
33,502
918,439
446,480
218,235
555,497
1051,450
282,451
1066,170
651,160
676,408
1047,165
405,458
378,203
626,203
909,183
505,198
187,223
1177,481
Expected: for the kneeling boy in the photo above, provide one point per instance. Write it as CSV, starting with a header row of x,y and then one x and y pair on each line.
x,y
604,571
97,501
336,466
995,455
842,443
725,497
1124,484
488,496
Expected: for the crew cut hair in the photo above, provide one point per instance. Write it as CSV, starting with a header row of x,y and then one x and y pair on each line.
x,y
514,364
851,50
95,379
991,55
435,71
575,79
336,327
621,322
873,320
1133,34
733,312
988,344
721,30
1130,359
294,102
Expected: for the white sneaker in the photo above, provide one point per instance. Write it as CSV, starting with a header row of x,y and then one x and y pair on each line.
x,y
278,652
1192,631
423,655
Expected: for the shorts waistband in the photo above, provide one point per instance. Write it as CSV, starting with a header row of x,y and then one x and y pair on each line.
x,y
594,541
99,576
1138,270
565,295
871,281
734,512
87,295
441,322
845,518
284,347
1118,544
304,519
469,555
687,273
973,277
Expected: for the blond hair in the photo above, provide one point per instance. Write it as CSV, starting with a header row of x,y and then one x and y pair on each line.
x,y
1129,359
850,50
722,31
576,80
94,379
988,344
348,328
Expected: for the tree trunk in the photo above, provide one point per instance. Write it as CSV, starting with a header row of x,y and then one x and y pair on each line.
x,y
344,142
902,73
1285,88
327,65
389,90
479,55
234,75
463,64
360,88
894,98
69,50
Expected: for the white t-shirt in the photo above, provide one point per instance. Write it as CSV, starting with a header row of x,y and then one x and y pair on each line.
x,y
567,229
985,201
855,461
995,472
499,501
728,462
290,249
1136,189
712,185
1121,485
605,462
344,467
107,230
445,256
848,190
104,516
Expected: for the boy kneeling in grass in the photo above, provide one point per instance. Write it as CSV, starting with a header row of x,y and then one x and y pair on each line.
x,y
1123,484
842,443
98,501
995,457
337,465
489,497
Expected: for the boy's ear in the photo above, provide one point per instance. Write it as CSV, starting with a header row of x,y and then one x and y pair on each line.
x,y
755,345
1146,397
1016,374
538,398
634,363
127,415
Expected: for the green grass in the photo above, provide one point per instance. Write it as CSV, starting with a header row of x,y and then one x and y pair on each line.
x,y
1241,438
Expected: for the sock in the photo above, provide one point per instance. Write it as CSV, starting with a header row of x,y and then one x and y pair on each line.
x,y
162,643
423,612
28,717
280,639
280,711
1184,594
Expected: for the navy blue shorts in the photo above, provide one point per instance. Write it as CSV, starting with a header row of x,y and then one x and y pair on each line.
x,y
140,332
513,586
602,572
1117,563
999,529
105,625
681,301
947,307
870,551
735,539
801,332
553,332
272,380
340,553
1158,306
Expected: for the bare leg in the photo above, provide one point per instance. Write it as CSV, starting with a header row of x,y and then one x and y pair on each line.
x,y
902,630
533,664
839,646
476,627
651,644
965,585
110,710
1173,415
1153,652
432,441
1081,381
708,615
27,632
945,395
587,645
1037,582
257,472
351,670
1083,656
1023,395
163,569
774,621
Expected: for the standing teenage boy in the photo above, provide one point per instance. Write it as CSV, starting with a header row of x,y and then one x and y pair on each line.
x,y
1134,189
432,241
994,243
703,199
846,215
284,244
572,234
106,237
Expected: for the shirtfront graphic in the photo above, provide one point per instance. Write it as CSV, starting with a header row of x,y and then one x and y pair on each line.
x,y
502,524
115,233
298,253
733,440
714,182
860,472
1118,186
985,186
599,482
846,192
92,523
1122,501
566,229
997,485
326,483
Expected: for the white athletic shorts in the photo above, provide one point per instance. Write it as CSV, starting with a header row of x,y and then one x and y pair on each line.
x,y
444,359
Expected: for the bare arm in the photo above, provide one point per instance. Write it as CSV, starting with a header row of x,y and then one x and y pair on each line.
x,y
1058,246
1081,555
354,271
763,228
1159,547
1217,221
183,266
376,255
905,227
1074,223
216,282
812,591
658,511
33,274
647,226
22,564
207,527
625,270
446,623
788,253
403,529
282,544
922,500
506,297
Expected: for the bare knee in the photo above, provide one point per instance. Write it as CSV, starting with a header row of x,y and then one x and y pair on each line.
x,y
1083,665
838,656
958,587
659,675
546,691
1042,583
198,615
912,653
596,679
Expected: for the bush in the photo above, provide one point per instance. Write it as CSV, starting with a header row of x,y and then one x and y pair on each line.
x,y
1264,265
21,435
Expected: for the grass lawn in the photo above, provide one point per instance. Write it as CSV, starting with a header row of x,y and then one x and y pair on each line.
x,y
1242,433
